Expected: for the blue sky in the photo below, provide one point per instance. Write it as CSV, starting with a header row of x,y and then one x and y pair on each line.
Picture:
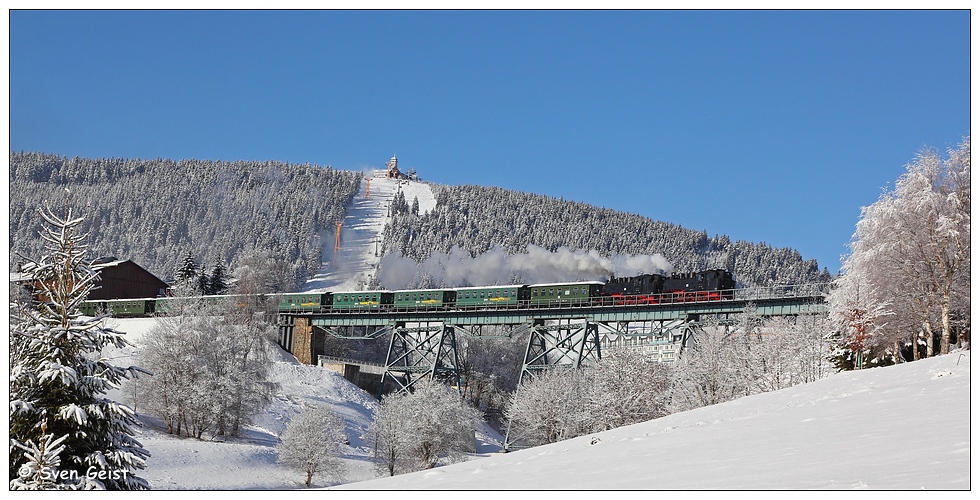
x,y
772,126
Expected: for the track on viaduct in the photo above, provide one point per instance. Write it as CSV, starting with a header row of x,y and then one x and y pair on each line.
x,y
423,341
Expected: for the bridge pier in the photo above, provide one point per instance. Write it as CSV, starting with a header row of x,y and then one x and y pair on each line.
x,y
427,351
306,341
555,343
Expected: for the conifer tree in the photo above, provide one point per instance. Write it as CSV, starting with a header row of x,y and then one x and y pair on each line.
x,y
218,282
58,379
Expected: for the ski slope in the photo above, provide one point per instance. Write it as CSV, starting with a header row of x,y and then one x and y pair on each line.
x,y
353,266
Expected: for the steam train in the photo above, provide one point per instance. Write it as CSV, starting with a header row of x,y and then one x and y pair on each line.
x,y
646,289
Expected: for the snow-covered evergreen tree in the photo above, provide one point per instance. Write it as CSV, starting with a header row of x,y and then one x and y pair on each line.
x,y
187,276
218,280
312,443
58,379
41,470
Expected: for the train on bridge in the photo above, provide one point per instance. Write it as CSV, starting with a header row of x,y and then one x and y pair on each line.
x,y
646,289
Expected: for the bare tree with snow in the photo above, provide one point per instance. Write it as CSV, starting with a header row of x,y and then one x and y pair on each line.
x,y
910,254
419,430
210,370
312,444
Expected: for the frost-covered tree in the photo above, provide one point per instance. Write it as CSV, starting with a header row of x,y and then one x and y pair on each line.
x,y
623,388
415,431
550,407
391,436
491,368
626,387
858,312
312,443
910,255
755,354
262,271
210,370
59,379
709,371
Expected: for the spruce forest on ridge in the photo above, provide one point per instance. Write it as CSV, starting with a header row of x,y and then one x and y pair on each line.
x,y
156,211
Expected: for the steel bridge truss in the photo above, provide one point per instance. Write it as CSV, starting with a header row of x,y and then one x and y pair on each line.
x,y
423,342
557,343
423,352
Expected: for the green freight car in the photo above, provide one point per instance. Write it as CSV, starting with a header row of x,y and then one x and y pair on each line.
x,y
487,296
415,299
345,301
561,294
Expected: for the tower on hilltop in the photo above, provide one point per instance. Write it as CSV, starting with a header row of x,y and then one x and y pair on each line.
x,y
393,172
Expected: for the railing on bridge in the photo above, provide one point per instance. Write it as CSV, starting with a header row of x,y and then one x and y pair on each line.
x,y
809,290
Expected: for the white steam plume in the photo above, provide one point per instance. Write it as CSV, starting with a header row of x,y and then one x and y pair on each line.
x,y
497,267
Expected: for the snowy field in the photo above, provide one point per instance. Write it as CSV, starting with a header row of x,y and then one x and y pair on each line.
x,y
849,431
903,427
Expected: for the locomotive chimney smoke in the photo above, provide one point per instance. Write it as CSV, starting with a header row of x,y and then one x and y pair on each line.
x,y
497,267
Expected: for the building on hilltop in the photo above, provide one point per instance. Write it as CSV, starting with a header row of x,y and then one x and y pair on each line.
x,y
394,173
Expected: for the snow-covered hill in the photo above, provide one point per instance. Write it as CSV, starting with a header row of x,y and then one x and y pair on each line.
x,y
249,462
899,427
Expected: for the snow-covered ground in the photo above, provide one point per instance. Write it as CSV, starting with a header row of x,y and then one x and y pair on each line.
x,y
249,462
901,427
360,235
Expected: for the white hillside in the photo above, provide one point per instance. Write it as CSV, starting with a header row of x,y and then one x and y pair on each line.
x,y
360,235
899,427
249,462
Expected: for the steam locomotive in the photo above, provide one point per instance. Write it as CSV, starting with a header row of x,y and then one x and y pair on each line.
x,y
715,284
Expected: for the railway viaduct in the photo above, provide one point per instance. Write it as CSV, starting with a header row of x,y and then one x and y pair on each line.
x,y
423,342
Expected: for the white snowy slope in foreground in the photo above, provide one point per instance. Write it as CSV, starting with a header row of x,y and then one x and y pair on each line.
x,y
249,462
899,427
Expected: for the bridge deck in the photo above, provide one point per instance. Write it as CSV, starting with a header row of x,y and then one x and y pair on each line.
x,y
767,302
